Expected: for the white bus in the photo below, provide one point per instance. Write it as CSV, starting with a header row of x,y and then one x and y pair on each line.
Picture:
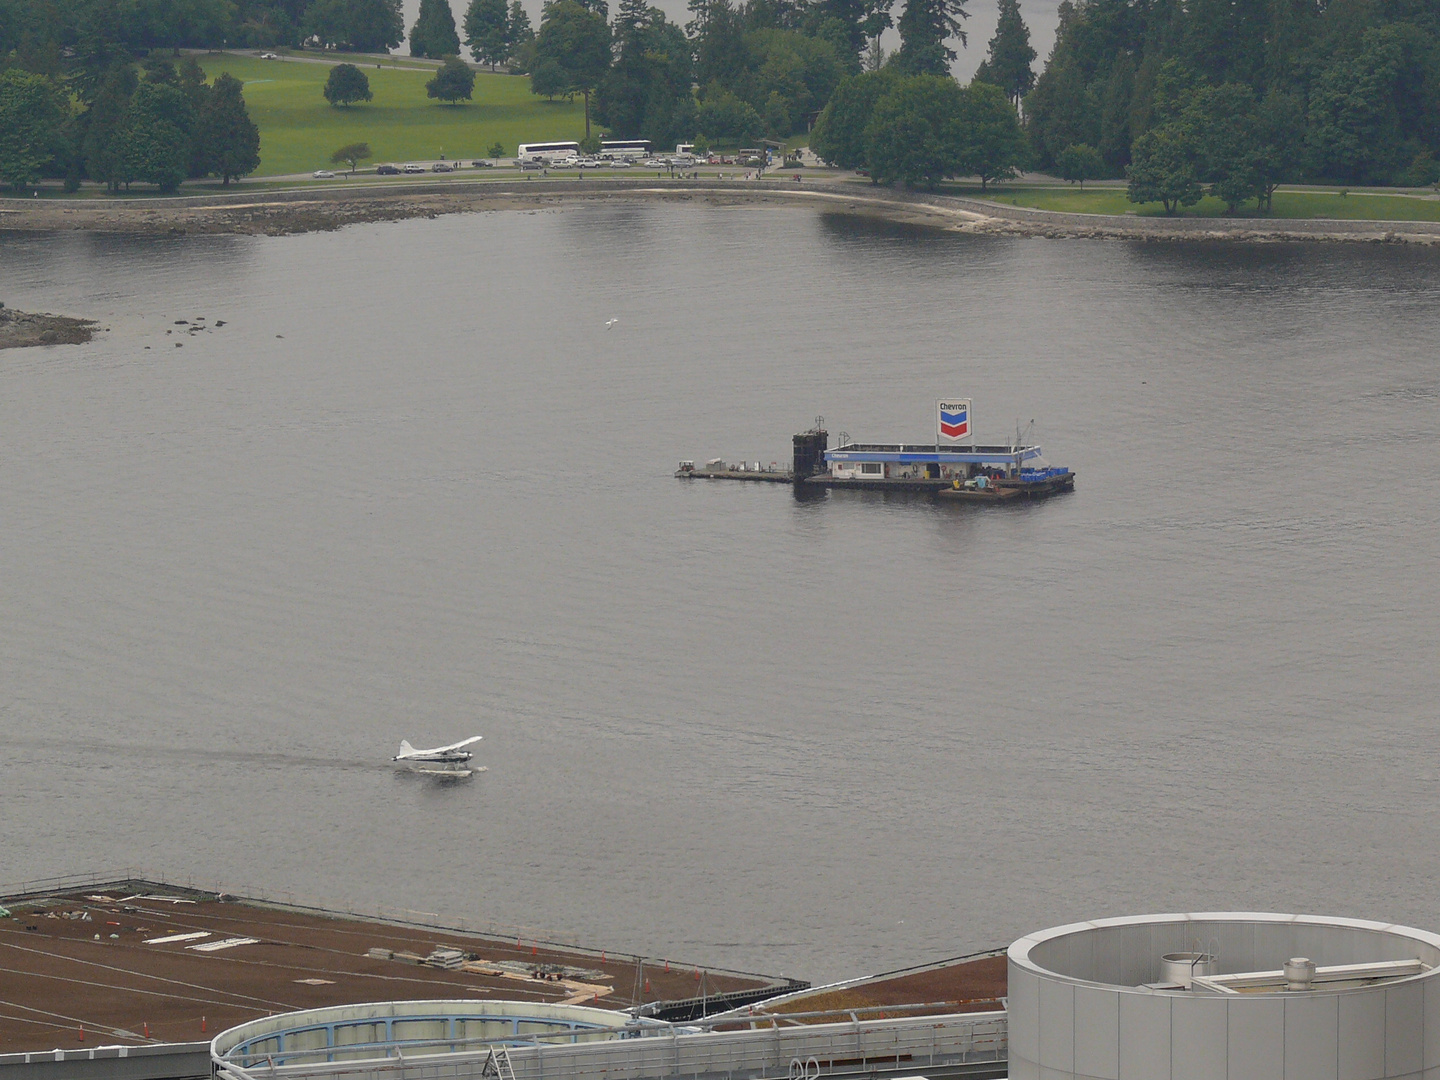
x,y
624,149
545,153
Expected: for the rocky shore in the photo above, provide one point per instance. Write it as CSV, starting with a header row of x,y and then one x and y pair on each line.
x,y
19,329
279,213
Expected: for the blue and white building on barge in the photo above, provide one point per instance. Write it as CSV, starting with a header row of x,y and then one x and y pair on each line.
x,y
953,465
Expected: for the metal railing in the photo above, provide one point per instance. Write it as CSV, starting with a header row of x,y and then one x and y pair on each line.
x,y
897,1046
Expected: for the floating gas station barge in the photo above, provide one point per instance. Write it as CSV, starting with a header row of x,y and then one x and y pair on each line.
x,y
953,467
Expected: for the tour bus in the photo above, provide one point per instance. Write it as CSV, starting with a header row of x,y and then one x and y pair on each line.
x,y
545,153
624,149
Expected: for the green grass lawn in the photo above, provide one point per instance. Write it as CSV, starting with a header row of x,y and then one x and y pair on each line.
x,y
299,130
1396,206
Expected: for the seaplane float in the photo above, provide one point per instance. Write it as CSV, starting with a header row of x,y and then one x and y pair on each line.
x,y
439,760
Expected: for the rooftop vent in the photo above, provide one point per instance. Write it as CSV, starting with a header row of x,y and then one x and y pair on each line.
x,y
1180,968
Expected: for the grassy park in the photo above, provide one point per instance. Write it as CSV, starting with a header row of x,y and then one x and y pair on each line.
x,y
299,130
1394,205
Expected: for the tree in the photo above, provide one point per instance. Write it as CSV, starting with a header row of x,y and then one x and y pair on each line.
x,y
915,131
577,41
32,108
487,31
856,23
1355,125
102,145
994,144
1079,163
647,91
228,140
839,133
1163,168
548,77
1280,122
351,153
356,25
1008,63
453,82
924,27
723,115
717,33
346,85
1228,142
497,150
518,32
433,34
155,135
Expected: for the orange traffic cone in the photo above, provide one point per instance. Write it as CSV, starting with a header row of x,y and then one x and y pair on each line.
x,y
82,1032
202,1024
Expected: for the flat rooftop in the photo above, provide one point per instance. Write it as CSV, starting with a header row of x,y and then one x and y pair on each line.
x,y
173,965
964,984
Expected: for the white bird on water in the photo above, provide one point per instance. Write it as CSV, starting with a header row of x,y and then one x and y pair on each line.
x,y
610,322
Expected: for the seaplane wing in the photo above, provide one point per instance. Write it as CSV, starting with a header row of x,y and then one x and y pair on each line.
x,y
453,752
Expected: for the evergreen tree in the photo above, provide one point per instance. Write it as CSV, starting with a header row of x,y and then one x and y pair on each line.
x,y
228,139
433,34
646,93
717,33
859,21
487,31
102,144
925,26
518,32
192,82
1008,63
356,25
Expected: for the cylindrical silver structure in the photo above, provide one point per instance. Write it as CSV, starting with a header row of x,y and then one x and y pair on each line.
x,y
1091,1001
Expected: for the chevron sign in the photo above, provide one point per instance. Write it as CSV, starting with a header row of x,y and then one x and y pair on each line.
x,y
954,420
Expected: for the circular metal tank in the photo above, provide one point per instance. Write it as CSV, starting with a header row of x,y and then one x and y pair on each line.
x,y
1090,1001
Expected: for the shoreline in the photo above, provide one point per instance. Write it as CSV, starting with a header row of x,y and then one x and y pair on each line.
x,y
290,212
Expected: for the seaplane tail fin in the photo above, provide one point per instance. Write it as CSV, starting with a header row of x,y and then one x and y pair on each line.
x,y
405,747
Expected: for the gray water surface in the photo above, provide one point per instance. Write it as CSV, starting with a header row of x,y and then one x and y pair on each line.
x,y
414,489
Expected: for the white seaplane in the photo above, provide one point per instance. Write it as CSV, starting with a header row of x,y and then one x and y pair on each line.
x,y
440,760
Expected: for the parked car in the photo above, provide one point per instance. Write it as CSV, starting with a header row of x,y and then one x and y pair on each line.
x,y
482,163
620,164
387,170
591,163
411,169
324,174
442,166
269,56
